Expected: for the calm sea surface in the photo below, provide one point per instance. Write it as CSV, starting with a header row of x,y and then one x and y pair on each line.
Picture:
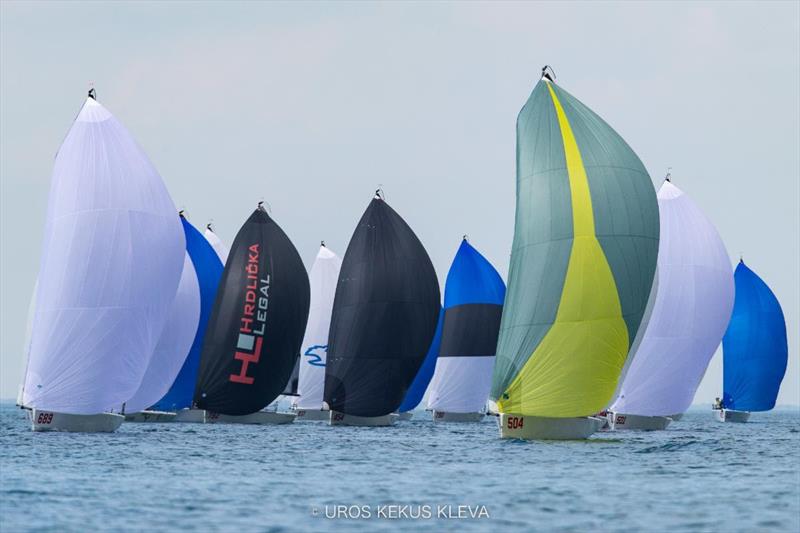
x,y
698,475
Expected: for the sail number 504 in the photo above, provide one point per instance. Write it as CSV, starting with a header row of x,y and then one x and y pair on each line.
x,y
515,422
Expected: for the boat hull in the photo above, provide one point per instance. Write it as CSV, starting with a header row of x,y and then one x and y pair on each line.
x,y
313,415
729,415
408,415
623,421
341,419
514,426
443,416
42,420
151,416
261,417
676,417
190,416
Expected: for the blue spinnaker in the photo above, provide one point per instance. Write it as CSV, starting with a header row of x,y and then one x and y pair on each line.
x,y
754,346
209,270
420,384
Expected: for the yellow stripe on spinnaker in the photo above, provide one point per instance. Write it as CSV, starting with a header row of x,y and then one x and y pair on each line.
x,y
574,369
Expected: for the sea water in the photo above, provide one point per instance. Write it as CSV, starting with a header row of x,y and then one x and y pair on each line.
x,y
698,475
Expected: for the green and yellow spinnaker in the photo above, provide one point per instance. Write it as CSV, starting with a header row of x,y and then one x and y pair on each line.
x,y
582,263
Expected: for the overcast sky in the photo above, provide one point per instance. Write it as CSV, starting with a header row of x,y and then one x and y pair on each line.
x,y
311,106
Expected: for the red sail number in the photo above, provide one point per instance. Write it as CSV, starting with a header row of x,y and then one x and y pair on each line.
x,y
515,422
44,418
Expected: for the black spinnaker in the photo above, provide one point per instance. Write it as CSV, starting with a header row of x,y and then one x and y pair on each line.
x,y
384,316
256,327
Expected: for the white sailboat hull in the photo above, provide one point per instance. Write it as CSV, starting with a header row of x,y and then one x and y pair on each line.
x,y
623,421
51,421
151,416
408,415
514,426
443,416
190,416
313,415
676,417
341,419
729,415
261,417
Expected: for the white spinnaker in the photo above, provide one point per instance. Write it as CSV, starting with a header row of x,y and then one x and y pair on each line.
x,y
313,352
461,384
217,244
112,257
173,345
693,304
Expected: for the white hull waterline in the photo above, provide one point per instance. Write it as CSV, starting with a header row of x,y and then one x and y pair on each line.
x,y
190,416
150,416
676,417
729,415
623,421
313,415
443,416
513,426
52,421
261,417
341,419
408,415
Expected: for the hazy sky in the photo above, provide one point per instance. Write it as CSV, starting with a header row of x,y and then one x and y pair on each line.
x,y
311,106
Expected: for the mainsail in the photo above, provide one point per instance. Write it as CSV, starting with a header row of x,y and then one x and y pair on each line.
x,y
314,351
473,305
582,263
208,271
112,258
174,343
694,297
257,324
384,316
754,347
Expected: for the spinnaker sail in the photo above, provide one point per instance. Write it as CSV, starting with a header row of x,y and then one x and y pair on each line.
x,y
384,316
173,345
216,243
208,270
473,305
416,391
112,259
257,324
754,348
314,351
582,263
693,302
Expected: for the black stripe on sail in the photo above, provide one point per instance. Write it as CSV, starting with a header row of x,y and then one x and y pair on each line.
x,y
470,330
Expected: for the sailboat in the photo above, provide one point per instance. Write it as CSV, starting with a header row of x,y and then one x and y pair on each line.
x,y
693,302
473,305
112,258
176,403
582,265
256,326
383,320
419,385
314,350
754,349
216,243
